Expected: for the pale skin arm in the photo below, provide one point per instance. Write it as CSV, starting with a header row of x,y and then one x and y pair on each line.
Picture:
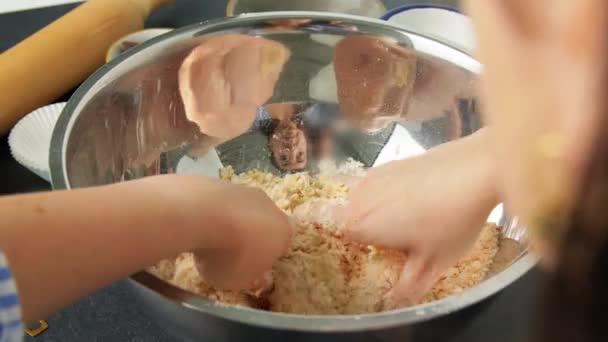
x,y
543,88
64,245
543,74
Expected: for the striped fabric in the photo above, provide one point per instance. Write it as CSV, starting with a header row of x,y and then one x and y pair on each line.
x,y
11,327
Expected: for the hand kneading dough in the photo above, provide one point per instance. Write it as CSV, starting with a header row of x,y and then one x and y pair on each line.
x,y
323,273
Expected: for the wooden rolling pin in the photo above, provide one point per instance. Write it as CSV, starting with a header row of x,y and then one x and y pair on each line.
x,y
57,58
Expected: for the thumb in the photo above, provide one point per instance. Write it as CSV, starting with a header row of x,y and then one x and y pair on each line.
x,y
416,280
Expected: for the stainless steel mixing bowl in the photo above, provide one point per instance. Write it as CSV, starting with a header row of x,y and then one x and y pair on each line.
x,y
368,8
128,121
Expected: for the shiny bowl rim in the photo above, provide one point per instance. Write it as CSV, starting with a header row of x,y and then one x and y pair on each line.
x,y
404,8
267,319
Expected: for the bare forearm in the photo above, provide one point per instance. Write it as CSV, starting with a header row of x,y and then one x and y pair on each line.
x,y
62,246
476,168
478,147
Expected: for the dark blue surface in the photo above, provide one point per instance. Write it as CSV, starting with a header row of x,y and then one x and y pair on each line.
x,y
113,315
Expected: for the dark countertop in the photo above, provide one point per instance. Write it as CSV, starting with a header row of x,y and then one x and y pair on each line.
x,y
112,314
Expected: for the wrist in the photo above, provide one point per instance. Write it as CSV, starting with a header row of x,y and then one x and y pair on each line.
x,y
197,210
486,164
476,164
169,201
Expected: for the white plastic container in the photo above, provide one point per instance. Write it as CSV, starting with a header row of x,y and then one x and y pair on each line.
x,y
440,22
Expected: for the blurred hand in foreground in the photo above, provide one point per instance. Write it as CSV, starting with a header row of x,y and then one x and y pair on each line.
x,y
236,233
543,90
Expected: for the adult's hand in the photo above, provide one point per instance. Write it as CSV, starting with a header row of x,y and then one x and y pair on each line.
x,y
245,234
543,87
432,207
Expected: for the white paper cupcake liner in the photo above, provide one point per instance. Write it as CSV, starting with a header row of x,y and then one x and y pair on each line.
x,y
30,139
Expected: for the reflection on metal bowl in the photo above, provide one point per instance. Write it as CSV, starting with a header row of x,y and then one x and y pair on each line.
x,y
401,94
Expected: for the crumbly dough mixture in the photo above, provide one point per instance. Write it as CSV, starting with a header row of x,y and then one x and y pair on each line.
x,y
324,273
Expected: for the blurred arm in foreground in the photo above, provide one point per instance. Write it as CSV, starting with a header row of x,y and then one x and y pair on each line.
x,y
542,91
544,86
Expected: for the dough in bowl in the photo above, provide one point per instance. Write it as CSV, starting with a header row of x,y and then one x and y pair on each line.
x,y
323,273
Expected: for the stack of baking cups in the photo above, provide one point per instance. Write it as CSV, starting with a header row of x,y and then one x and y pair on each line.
x,y
30,139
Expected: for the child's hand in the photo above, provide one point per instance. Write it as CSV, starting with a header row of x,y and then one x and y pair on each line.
x,y
239,232
432,207
253,234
